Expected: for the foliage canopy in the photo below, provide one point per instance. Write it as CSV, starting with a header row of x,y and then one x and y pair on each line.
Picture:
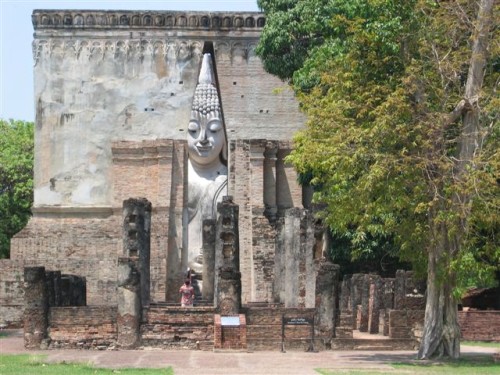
x,y
16,179
379,81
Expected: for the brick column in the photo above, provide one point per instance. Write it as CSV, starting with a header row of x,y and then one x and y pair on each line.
x,y
279,262
36,307
375,303
257,175
292,256
228,288
270,157
345,293
208,259
356,292
137,239
399,290
326,296
387,302
365,297
129,303
217,332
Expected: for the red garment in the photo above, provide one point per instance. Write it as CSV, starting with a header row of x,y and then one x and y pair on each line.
x,y
187,295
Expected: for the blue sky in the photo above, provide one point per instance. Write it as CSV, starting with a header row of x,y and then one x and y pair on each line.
x,y
16,35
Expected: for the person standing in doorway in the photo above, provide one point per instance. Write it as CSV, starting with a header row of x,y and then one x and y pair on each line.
x,y
187,294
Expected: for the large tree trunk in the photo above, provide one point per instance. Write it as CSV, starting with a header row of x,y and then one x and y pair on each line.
x,y
441,336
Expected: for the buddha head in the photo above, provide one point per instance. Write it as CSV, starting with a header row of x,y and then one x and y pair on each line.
x,y
206,134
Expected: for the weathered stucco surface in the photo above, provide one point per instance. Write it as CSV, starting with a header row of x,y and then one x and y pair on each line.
x,y
113,93
106,76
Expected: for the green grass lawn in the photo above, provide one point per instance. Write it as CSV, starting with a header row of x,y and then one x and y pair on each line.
x,y
465,366
35,365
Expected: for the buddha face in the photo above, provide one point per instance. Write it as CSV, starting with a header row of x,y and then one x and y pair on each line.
x,y
206,137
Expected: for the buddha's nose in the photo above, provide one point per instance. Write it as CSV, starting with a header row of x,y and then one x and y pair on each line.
x,y
203,135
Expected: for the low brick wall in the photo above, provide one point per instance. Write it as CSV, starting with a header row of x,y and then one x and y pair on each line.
x,y
11,293
264,329
480,325
85,327
178,327
344,327
404,323
230,337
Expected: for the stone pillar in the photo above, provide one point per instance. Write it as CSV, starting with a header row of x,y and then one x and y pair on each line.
x,y
356,293
279,262
270,157
365,297
387,302
208,259
292,256
308,262
137,239
129,303
326,298
228,285
345,326
388,293
257,176
345,293
399,290
375,303
36,307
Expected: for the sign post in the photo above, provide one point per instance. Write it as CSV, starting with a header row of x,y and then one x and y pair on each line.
x,y
297,321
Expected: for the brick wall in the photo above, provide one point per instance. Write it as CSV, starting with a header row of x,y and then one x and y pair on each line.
x,y
247,177
230,337
138,96
409,293
264,328
88,327
155,170
11,292
239,188
84,242
178,327
480,325
403,324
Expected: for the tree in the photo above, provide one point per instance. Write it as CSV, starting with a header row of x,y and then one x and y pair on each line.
x,y
402,133
16,179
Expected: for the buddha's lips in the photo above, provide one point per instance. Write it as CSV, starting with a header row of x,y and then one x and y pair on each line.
x,y
204,148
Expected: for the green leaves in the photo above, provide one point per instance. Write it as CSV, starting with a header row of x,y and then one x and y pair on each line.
x,y
378,80
16,179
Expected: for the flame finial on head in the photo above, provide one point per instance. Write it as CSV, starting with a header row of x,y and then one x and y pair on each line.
x,y
207,72
206,97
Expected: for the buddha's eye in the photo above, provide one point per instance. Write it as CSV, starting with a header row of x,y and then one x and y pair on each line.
x,y
214,126
193,126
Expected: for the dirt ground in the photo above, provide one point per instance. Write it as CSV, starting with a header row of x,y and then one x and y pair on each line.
x,y
226,362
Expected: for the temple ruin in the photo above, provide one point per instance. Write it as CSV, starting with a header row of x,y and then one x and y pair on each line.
x,y
129,104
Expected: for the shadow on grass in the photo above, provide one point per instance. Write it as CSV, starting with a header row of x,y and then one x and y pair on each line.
x,y
468,364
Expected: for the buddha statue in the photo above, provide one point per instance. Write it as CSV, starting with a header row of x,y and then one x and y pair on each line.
x,y
207,162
